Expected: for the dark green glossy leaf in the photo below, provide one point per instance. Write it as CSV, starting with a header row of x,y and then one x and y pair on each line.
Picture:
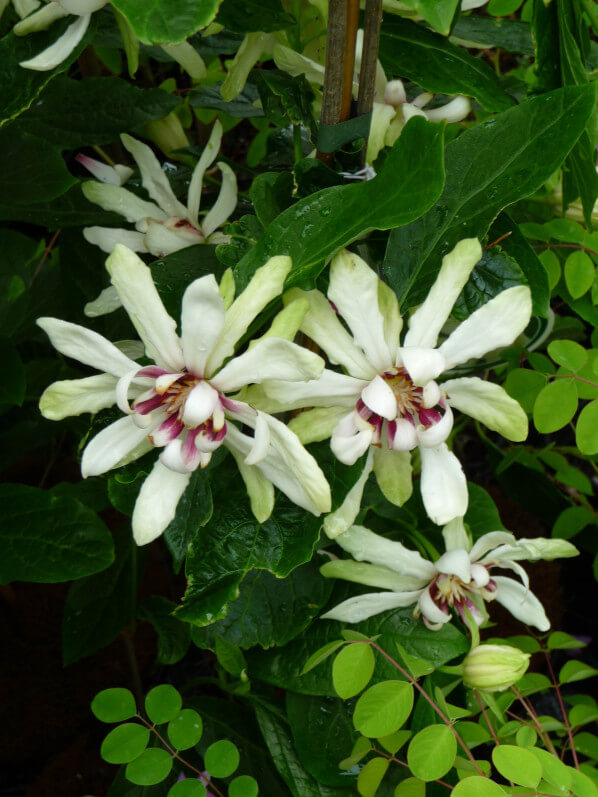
x,y
242,107
97,608
271,193
286,98
495,272
125,743
313,229
70,209
163,703
193,511
245,16
114,705
150,768
167,21
487,168
73,113
508,34
49,538
173,635
12,387
410,50
31,169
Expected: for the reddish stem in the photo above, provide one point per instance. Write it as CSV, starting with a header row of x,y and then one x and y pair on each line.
x,y
562,706
47,251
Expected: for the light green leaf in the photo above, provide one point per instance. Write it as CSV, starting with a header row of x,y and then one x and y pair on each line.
x,y
167,21
185,730
555,405
586,431
552,264
411,787
576,671
517,764
221,759
432,752
114,705
476,786
524,385
503,8
321,655
579,273
190,787
568,353
383,708
151,767
163,703
352,669
243,786
371,776
125,743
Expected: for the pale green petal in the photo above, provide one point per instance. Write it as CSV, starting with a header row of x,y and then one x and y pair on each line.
x,y
153,178
342,518
107,302
490,404
361,607
266,284
455,536
56,53
295,64
443,485
427,321
330,390
187,56
107,238
489,541
522,603
287,323
208,156
533,549
259,489
157,501
493,326
248,54
122,201
363,544
225,204
393,323
161,240
23,8
133,281
370,575
394,474
312,426
40,20
322,325
382,117
227,288
76,396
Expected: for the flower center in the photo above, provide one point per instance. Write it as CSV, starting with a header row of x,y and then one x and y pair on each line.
x,y
450,592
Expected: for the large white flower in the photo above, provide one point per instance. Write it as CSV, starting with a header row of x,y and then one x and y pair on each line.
x,y
461,579
389,401
180,403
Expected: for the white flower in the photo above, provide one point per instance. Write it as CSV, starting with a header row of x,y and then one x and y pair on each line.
x,y
389,401
460,579
164,225
180,403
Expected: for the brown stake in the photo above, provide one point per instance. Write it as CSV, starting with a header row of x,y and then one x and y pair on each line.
x,y
333,74
369,56
349,59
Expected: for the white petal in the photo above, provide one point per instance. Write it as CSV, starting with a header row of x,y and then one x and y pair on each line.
x,y
394,93
350,439
431,395
107,302
490,404
225,204
480,575
187,56
202,319
341,519
153,178
106,239
110,446
208,156
101,171
443,485
172,457
493,326
454,111
261,441
393,323
296,64
133,281
161,240
265,285
369,575
354,290
363,544
80,7
422,364
34,18
122,201
379,397
270,358
533,549
427,321
57,52
455,563
436,434
330,390
487,542
86,346
76,396
507,565
455,536
405,438
200,404
433,613
156,503
382,117
259,489
522,603
361,607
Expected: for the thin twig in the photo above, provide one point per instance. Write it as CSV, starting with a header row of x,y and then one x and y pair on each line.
x,y
404,764
532,714
47,251
486,717
562,707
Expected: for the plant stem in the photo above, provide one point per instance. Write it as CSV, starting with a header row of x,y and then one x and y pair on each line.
x,y
486,717
562,707
404,764
427,697
532,714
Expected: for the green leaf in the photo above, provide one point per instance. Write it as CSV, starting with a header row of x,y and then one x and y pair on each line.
x,y
431,61
242,107
360,749
321,655
189,787
314,228
184,731
411,787
114,705
12,388
524,385
221,759
394,742
271,193
439,14
555,405
488,168
371,776
193,511
71,209
517,764
586,431
559,640
576,671
383,708
526,736
125,743
552,266
579,273
495,272
503,8
150,768
243,786
553,771
432,752
230,657
98,607
476,786
510,35
568,353
167,21
49,538
286,99
174,636
163,703
352,669
73,113
247,16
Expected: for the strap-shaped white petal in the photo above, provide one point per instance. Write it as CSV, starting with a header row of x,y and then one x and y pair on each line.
x,y
490,404
76,396
330,390
455,536
422,364
351,438
436,434
361,607
157,501
57,52
207,158
369,575
110,446
521,602
487,542
363,544
427,321
455,563
354,290
337,522
443,484
379,398
225,204
433,613
80,7
107,238
122,201
133,281
86,347
153,178
187,56
454,111
261,441
202,320
495,325
245,59
533,549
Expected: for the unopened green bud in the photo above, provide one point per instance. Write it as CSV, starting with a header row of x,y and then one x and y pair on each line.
x,y
494,668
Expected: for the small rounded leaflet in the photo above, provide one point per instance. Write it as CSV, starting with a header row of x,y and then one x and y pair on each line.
x,y
371,776
150,767
352,669
184,731
125,743
243,786
190,787
432,752
383,708
221,759
477,786
114,705
163,703
517,764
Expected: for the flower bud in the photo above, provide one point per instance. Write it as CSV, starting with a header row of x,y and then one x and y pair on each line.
x,y
494,668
